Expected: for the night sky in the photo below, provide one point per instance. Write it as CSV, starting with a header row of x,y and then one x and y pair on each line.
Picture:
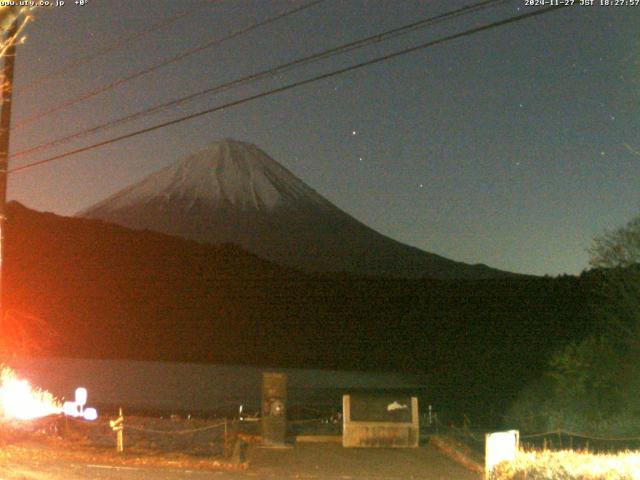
x,y
513,147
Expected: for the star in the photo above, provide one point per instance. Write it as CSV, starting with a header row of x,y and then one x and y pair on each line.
x,y
631,149
360,159
421,185
354,132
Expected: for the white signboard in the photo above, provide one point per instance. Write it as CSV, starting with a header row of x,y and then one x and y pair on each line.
x,y
500,447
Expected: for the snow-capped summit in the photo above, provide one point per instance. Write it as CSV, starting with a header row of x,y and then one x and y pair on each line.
x,y
234,192
227,174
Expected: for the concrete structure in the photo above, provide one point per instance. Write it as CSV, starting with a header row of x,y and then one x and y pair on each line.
x,y
380,420
274,408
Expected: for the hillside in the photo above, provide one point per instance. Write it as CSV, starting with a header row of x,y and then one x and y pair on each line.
x,y
85,288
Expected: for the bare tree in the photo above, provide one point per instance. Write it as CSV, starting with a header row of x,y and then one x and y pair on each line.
x,y
617,248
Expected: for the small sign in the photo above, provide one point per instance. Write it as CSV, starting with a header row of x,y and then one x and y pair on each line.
x,y
118,424
381,408
500,447
379,419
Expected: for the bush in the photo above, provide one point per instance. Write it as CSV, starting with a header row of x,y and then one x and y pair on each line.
x,y
569,465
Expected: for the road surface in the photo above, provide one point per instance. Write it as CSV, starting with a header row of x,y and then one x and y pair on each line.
x,y
312,461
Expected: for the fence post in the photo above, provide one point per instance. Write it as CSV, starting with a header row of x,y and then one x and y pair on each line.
x,y
120,445
118,426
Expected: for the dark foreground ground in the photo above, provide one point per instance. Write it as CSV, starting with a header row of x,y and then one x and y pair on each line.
x,y
303,461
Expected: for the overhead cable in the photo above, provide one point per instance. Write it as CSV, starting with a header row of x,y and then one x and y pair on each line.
x,y
116,83
329,53
290,86
114,47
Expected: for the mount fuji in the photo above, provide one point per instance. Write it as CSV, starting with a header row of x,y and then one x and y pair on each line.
x,y
233,192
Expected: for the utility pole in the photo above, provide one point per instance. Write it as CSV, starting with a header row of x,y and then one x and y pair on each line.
x,y
5,125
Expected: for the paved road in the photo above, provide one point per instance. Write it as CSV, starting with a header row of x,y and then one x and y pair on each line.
x,y
331,461
305,461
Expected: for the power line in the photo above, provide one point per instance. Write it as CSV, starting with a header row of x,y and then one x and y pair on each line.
x,y
110,49
290,86
85,96
370,40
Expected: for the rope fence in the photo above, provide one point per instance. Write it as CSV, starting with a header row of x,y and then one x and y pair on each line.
x,y
188,435
178,432
552,439
158,434
146,434
581,435
565,439
218,436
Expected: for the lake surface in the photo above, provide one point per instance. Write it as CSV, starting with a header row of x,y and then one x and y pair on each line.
x,y
202,389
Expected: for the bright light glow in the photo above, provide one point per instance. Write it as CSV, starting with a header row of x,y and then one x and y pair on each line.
x,y
81,396
70,409
18,400
90,414
501,447
76,409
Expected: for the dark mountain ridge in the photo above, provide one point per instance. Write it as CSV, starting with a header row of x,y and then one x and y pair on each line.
x,y
85,288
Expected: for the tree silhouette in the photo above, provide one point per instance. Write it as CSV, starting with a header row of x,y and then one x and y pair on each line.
x,y
591,384
617,254
619,248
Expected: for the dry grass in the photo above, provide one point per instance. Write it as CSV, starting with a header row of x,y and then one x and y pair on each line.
x,y
39,442
53,451
570,465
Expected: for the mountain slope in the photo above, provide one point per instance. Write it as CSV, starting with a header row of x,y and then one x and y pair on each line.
x,y
234,192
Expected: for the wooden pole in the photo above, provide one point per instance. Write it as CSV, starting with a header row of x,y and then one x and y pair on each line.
x,y
120,436
5,125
